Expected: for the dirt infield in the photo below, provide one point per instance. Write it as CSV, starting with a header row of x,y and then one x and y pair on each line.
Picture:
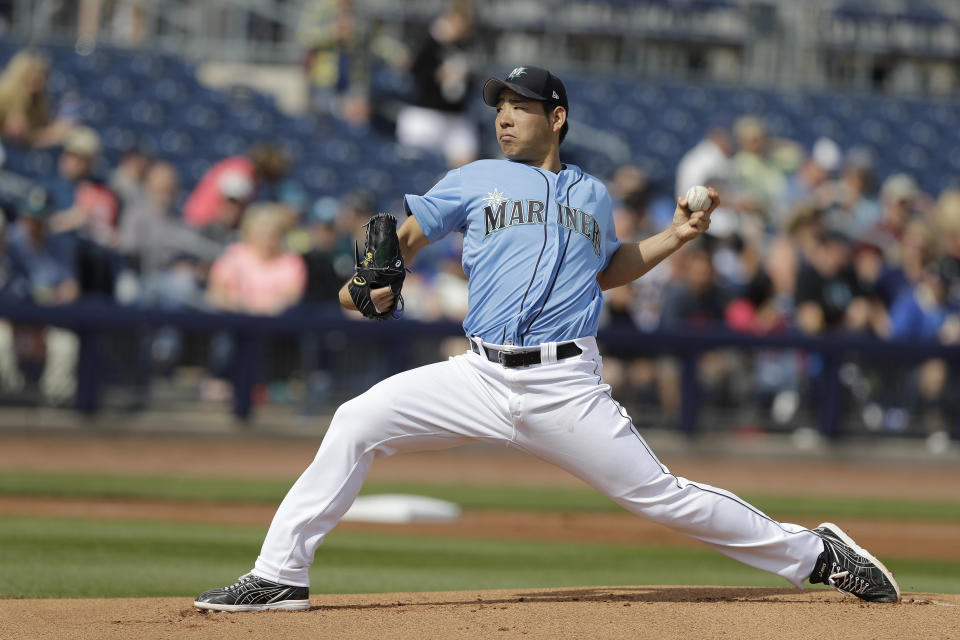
x,y
665,613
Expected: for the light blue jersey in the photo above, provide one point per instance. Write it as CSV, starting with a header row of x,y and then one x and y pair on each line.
x,y
533,244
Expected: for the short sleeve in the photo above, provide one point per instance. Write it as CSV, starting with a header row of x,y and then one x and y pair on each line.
x,y
610,240
440,211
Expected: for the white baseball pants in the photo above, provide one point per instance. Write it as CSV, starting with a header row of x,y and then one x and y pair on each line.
x,y
559,411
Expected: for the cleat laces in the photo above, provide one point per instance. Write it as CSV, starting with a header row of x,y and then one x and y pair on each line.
x,y
241,581
847,583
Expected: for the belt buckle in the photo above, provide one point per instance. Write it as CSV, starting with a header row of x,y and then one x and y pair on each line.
x,y
500,356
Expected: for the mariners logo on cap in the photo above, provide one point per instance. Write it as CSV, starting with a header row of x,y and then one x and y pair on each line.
x,y
516,73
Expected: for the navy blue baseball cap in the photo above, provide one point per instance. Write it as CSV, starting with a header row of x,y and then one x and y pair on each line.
x,y
535,83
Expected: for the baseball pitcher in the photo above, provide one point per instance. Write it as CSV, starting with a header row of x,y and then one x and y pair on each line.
x,y
539,247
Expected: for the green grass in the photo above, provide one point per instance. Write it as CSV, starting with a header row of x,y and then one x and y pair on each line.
x,y
183,488
57,557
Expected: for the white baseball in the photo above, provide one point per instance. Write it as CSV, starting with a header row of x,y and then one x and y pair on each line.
x,y
697,198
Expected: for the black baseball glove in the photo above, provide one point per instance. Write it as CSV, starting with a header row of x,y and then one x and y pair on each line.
x,y
380,266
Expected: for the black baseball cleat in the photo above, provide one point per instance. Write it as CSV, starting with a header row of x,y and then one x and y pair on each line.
x,y
253,593
850,569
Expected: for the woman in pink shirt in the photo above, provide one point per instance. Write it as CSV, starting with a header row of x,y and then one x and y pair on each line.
x,y
257,275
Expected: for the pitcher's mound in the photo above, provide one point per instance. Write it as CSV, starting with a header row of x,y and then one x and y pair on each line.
x,y
684,613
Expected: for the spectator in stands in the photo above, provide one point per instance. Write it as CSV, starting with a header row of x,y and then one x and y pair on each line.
x,y
923,312
826,285
811,184
293,200
758,181
804,228
75,165
323,281
946,224
264,168
853,211
25,114
767,303
356,208
708,162
875,276
42,271
900,202
89,210
693,300
127,179
256,275
915,251
867,312
336,61
235,193
168,255
640,301
631,191
766,308
437,119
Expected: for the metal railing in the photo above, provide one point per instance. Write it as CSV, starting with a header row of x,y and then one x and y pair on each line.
x,y
92,320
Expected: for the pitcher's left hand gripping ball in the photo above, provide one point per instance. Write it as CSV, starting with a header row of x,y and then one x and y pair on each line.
x,y
380,266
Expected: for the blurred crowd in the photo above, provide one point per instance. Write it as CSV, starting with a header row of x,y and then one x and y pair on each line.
x,y
805,240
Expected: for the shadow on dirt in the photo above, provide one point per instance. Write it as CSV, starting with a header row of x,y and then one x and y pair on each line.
x,y
614,594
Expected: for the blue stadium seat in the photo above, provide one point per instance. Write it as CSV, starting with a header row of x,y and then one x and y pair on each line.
x,y
199,116
915,159
627,117
320,179
147,113
113,86
118,138
677,120
169,90
827,126
893,110
95,112
177,144
875,131
749,101
924,135
229,143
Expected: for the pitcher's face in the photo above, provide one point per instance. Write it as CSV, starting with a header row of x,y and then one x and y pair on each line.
x,y
523,129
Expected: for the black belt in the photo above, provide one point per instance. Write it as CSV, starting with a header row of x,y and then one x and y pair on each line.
x,y
512,358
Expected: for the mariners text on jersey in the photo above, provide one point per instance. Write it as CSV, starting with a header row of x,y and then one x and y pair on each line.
x,y
532,212
533,244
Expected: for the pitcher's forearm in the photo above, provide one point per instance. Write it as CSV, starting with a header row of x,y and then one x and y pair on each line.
x,y
634,259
